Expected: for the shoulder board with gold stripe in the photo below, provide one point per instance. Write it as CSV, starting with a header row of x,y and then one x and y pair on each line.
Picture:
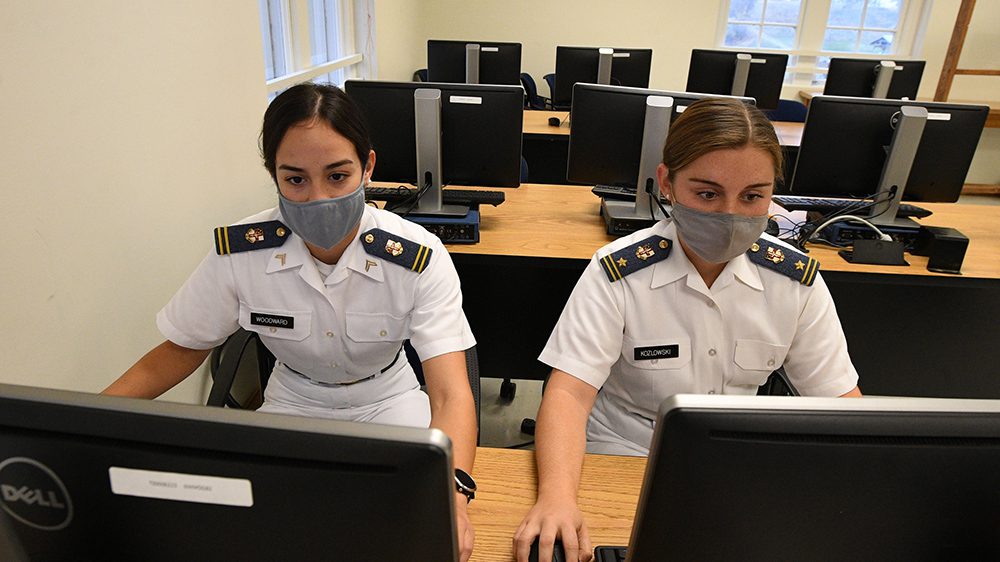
x,y
635,257
396,249
254,236
785,261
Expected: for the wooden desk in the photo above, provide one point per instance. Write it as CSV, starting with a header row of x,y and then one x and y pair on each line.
x,y
563,221
911,332
536,122
609,491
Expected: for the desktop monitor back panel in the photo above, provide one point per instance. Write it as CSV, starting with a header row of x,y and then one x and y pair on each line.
x,y
499,63
480,131
779,477
856,78
711,72
844,145
353,493
629,67
606,136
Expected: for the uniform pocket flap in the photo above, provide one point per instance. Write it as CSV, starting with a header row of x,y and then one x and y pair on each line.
x,y
375,327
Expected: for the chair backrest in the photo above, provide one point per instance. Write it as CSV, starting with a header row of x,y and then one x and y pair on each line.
x,y
225,361
777,384
420,75
788,110
532,100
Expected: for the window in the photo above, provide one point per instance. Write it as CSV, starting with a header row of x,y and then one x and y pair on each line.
x,y
811,31
313,40
859,26
763,24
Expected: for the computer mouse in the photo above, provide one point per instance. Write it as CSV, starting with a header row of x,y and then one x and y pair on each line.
x,y
558,554
554,122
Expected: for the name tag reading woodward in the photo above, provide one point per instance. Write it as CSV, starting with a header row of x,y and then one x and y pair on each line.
x,y
274,320
657,352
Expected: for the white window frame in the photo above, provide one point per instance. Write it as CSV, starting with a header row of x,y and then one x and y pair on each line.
x,y
297,47
802,62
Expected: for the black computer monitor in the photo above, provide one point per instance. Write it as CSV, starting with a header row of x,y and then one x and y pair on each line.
x,y
88,477
900,79
759,478
488,62
628,67
738,73
468,135
847,142
612,143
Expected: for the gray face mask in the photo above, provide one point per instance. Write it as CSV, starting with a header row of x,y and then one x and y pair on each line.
x,y
324,222
717,237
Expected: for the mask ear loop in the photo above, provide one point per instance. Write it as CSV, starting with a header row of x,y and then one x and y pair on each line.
x,y
650,191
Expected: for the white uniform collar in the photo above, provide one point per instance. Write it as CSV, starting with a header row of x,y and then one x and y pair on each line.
x,y
294,253
678,265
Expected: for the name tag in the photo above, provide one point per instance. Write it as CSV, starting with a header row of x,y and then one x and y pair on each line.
x,y
273,320
656,352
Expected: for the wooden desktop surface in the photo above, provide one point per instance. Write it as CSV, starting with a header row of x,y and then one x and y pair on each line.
x,y
563,221
609,491
536,122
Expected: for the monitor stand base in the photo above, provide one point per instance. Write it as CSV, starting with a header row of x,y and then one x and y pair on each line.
x,y
621,219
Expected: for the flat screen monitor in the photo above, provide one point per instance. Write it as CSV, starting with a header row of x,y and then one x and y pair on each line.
x,y
759,478
605,142
742,73
859,77
497,63
629,67
480,131
845,142
87,477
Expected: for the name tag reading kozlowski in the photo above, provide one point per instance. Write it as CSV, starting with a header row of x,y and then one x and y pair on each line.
x,y
274,320
657,352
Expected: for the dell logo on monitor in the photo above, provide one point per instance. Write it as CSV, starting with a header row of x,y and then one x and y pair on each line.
x,y
34,495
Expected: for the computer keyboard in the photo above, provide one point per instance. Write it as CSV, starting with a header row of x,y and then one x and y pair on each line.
x,y
827,205
609,554
448,196
618,192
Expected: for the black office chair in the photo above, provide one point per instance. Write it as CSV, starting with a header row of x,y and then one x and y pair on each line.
x,y
225,361
788,110
777,384
550,79
420,75
531,99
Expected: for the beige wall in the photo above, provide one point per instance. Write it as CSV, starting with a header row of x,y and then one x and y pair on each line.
x,y
540,26
128,132
979,51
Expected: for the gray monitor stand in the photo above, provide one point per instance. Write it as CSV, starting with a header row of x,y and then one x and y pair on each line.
x,y
623,216
883,78
743,62
427,113
604,60
472,63
902,150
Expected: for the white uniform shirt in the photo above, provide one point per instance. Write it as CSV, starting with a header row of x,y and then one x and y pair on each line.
x,y
726,339
345,327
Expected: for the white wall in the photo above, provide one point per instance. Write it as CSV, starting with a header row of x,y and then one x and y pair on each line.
x,y
670,27
129,131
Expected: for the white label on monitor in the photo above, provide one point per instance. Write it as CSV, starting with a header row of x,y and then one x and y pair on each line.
x,y
681,108
938,116
175,486
758,61
471,100
490,49
621,55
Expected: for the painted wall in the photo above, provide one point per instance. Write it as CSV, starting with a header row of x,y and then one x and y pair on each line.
x,y
129,132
